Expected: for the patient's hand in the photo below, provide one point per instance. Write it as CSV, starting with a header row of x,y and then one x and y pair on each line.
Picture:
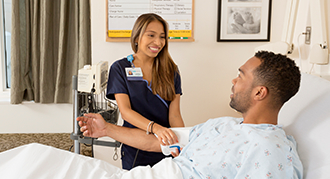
x,y
92,125
176,153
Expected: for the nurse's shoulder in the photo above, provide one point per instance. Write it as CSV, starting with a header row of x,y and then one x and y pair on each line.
x,y
120,64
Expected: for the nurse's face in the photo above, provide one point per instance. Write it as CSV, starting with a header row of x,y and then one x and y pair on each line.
x,y
152,41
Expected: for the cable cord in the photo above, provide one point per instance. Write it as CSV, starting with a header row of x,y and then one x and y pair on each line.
x,y
136,154
310,72
71,148
300,65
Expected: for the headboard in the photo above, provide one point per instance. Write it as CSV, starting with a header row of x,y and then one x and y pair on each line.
x,y
307,117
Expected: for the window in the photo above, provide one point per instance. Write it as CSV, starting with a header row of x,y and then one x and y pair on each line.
x,y
5,37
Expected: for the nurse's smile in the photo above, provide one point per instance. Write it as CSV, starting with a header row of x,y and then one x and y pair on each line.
x,y
154,49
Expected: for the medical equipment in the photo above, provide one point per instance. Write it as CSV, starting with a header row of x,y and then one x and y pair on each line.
x,y
89,97
93,77
319,53
320,50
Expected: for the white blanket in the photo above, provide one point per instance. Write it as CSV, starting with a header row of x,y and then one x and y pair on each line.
x,y
40,161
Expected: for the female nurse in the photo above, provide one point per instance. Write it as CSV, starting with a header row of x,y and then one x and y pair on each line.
x,y
147,88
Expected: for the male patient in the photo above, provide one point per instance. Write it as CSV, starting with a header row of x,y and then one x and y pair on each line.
x,y
250,147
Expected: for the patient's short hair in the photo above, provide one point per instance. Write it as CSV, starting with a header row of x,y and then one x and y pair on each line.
x,y
279,74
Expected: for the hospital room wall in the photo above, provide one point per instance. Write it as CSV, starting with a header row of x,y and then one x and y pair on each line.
x,y
207,68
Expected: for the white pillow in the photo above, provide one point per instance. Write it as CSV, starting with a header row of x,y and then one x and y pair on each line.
x,y
307,118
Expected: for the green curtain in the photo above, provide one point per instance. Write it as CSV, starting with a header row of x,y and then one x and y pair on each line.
x,y
51,40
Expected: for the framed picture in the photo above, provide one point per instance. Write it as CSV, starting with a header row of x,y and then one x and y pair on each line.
x,y
244,20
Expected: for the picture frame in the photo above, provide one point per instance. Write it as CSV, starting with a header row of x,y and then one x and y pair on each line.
x,y
243,20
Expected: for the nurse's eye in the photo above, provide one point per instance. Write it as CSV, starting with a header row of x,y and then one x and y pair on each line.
x,y
163,37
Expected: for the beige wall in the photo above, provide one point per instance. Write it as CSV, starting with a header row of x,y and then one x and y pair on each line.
x,y
36,118
207,68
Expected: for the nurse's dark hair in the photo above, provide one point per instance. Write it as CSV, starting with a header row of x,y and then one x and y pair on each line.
x,y
279,74
164,68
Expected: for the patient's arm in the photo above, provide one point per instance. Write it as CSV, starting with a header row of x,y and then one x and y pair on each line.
x,y
93,125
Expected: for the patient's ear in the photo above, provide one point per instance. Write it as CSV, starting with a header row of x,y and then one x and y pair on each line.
x,y
260,93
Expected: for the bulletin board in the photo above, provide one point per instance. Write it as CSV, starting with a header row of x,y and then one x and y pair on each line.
x,y
121,15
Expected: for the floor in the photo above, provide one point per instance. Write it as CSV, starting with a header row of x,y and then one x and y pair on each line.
x,y
58,140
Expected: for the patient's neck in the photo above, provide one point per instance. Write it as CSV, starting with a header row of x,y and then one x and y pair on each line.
x,y
261,116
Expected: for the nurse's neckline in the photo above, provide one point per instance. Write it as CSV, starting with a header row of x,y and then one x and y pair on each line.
x,y
131,58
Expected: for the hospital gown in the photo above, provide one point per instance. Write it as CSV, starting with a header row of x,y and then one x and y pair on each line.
x,y
225,148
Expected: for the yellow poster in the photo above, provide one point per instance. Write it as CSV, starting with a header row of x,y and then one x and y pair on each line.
x,y
179,33
123,13
127,33
119,33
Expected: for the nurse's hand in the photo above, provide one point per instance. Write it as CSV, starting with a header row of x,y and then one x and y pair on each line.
x,y
92,125
165,135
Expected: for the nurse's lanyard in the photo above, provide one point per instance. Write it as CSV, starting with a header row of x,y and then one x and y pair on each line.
x,y
135,74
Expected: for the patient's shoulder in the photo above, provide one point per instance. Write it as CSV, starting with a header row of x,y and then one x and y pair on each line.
x,y
225,120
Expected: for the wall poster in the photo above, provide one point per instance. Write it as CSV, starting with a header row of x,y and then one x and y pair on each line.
x,y
121,15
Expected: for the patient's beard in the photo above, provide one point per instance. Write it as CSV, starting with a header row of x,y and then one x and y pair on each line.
x,y
241,102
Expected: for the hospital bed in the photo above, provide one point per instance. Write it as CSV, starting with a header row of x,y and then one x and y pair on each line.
x,y
306,116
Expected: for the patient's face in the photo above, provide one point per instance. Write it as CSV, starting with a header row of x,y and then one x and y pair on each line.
x,y
242,96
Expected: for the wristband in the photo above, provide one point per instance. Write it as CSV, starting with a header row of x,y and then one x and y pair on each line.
x,y
149,126
152,125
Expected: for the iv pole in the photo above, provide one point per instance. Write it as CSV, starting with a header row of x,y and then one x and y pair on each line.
x,y
76,143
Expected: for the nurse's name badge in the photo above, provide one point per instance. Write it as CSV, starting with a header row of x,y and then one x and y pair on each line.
x,y
134,73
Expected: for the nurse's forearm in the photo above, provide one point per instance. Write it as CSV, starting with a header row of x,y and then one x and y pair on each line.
x,y
134,137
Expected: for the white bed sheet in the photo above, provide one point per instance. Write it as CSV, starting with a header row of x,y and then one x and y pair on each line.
x,y
41,161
